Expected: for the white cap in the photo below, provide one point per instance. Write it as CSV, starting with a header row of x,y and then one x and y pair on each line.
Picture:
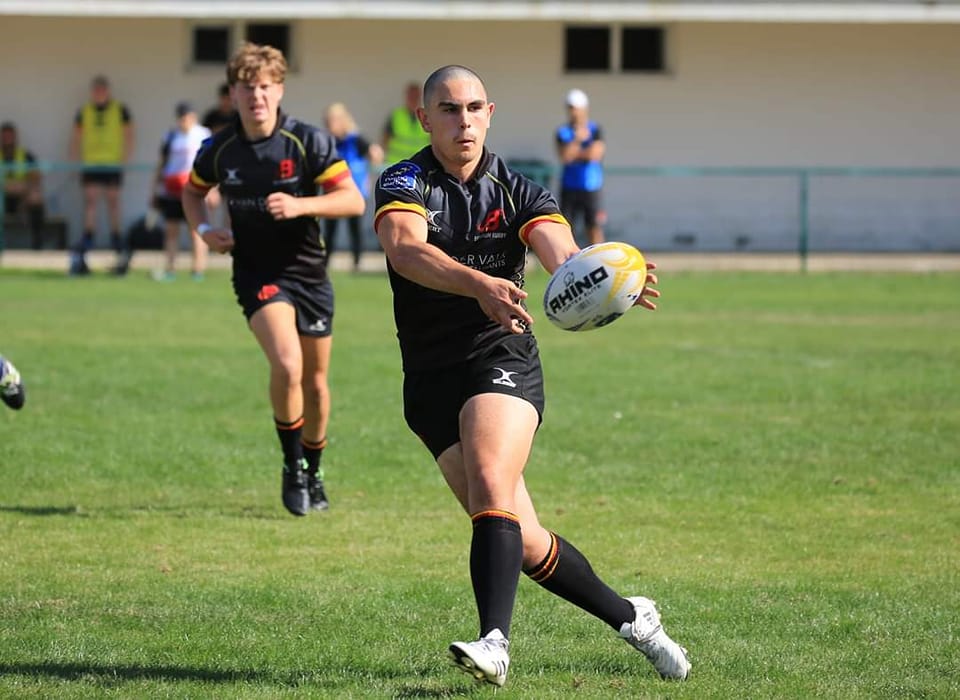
x,y
577,98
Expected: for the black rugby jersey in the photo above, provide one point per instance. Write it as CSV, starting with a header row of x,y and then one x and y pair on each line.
x,y
296,158
482,224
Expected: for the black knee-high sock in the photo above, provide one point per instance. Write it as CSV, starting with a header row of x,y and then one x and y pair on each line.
x,y
496,556
313,452
567,573
289,434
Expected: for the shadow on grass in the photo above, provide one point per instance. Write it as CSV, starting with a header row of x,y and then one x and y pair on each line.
x,y
175,511
92,672
108,674
44,510
42,273
423,690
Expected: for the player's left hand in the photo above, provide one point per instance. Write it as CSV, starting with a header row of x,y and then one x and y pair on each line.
x,y
648,294
283,206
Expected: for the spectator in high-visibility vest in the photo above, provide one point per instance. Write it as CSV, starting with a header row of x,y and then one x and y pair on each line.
x,y
403,135
22,182
103,141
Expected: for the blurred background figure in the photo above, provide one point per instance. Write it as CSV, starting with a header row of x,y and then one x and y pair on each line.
x,y
216,118
403,135
222,113
360,155
581,148
102,140
23,185
177,152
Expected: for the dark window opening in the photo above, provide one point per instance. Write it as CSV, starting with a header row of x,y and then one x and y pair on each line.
x,y
275,35
641,49
211,44
587,49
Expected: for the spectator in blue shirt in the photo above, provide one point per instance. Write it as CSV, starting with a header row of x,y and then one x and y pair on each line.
x,y
581,148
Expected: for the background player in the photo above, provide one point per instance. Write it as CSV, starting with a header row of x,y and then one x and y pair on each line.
x,y
269,166
455,224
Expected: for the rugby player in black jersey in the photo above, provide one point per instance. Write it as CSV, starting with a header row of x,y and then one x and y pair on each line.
x,y
269,167
455,224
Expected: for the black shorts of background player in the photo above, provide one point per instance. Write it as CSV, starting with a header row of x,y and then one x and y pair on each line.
x,y
455,224
269,167
585,206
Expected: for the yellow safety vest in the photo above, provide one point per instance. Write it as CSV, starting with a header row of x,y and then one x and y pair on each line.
x,y
407,136
20,161
102,134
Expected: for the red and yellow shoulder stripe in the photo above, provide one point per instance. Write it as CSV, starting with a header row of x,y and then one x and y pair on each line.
x,y
397,206
530,225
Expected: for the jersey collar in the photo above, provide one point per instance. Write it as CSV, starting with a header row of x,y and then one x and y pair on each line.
x,y
483,165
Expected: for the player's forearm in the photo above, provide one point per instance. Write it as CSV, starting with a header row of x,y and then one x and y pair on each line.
x,y
332,205
194,210
430,267
552,243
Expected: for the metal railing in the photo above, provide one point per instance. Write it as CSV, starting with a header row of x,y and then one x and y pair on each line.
x,y
547,174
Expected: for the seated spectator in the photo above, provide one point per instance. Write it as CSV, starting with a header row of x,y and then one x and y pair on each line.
x,y
23,184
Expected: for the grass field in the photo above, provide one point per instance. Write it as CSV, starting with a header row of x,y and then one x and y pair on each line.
x,y
774,458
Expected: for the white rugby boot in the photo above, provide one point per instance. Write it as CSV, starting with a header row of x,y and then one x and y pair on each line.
x,y
646,635
486,659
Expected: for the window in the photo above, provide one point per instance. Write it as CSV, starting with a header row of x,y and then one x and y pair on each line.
x,y
606,49
587,49
210,45
641,49
275,35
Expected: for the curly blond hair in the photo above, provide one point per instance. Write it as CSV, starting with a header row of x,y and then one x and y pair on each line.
x,y
252,60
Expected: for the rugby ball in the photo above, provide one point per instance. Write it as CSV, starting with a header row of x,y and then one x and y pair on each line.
x,y
594,287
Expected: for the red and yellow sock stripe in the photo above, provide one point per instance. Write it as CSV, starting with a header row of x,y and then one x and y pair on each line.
x,y
544,570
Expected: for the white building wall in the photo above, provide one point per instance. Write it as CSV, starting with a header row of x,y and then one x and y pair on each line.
x,y
736,94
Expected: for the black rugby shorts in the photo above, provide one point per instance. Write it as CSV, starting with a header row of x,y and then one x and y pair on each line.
x,y
106,176
432,399
312,302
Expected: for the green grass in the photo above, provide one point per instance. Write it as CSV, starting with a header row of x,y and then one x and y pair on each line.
x,y
774,458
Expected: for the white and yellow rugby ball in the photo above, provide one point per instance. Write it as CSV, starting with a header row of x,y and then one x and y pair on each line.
x,y
595,287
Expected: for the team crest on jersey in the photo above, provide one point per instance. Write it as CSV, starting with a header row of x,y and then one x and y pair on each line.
x,y
491,222
402,177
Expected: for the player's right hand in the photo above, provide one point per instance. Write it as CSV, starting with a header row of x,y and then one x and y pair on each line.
x,y
219,240
500,301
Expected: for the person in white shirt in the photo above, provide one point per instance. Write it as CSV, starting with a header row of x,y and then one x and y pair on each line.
x,y
177,153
